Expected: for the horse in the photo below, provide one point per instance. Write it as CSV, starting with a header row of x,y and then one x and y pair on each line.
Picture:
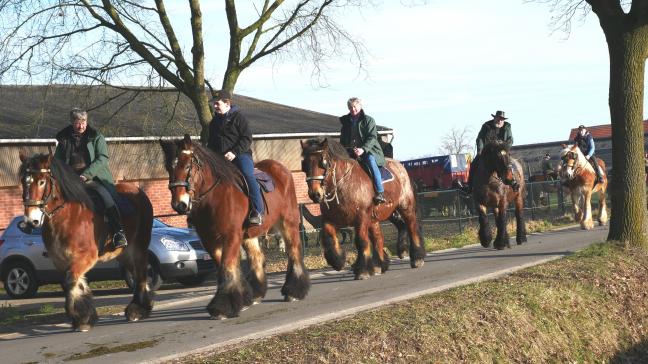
x,y
76,235
209,189
490,191
344,191
580,178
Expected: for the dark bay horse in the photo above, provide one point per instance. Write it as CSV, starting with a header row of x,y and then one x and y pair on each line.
x,y
490,192
208,188
344,191
580,178
55,197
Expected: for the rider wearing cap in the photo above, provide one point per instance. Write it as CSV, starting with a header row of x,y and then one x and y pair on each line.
x,y
585,143
494,130
547,166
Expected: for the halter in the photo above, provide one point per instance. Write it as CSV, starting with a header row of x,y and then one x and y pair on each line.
x,y
27,202
187,184
573,158
323,163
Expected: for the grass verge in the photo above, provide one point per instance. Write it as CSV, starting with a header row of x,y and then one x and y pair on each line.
x,y
586,308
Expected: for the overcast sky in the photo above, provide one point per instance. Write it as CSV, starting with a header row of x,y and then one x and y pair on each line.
x,y
450,64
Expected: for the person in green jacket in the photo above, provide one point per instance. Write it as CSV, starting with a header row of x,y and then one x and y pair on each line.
x,y
84,149
359,136
494,130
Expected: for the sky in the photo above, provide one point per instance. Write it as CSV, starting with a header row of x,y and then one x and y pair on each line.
x,y
449,64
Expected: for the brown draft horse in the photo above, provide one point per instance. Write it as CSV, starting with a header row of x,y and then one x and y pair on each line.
x,y
490,192
579,177
55,197
207,187
344,191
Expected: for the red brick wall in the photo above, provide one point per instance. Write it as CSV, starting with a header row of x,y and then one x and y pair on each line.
x,y
157,191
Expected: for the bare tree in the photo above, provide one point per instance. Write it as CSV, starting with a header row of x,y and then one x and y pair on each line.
x,y
625,25
457,141
122,43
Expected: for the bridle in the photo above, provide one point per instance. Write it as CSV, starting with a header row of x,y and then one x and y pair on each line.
x,y
569,161
324,164
187,183
41,204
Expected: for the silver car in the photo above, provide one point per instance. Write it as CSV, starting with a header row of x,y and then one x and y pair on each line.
x,y
174,254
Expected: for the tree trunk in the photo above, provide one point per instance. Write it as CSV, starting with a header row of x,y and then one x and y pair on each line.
x,y
628,223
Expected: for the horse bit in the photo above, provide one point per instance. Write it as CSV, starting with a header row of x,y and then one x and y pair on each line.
x,y
27,202
187,182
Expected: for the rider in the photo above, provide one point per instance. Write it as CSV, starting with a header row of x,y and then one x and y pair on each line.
x,y
585,143
231,137
494,130
547,166
359,136
85,150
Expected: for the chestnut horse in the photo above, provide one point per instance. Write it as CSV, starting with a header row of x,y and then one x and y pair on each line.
x,y
345,191
208,188
73,231
579,177
490,192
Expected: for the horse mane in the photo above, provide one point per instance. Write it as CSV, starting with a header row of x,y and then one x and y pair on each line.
x,y
218,165
70,185
335,150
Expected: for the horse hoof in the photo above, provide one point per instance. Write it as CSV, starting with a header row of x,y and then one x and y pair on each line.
x,y
256,301
288,298
485,244
362,276
219,317
417,263
83,328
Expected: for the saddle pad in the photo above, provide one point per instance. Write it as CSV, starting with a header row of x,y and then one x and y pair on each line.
x,y
264,179
386,175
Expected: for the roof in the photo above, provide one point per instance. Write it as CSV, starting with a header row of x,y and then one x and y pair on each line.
x,y
40,111
601,131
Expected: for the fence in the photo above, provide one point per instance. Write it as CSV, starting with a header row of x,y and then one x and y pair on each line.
x,y
446,213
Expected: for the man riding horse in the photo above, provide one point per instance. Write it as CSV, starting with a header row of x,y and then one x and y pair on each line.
x,y
359,137
494,130
85,150
585,143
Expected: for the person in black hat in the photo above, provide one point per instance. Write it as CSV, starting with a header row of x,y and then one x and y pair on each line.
x,y
496,129
231,137
585,143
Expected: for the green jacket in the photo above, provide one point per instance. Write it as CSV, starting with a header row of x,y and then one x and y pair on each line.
x,y
98,169
367,136
489,132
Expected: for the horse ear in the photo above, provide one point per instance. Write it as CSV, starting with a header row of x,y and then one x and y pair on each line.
x,y
325,143
563,145
186,142
22,154
301,142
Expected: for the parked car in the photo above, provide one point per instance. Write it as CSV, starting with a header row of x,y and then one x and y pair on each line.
x,y
174,253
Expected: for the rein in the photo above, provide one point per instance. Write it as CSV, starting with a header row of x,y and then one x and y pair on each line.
x,y
41,204
330,195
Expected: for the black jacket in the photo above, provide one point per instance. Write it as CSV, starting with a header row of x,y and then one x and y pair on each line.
x,y
230,133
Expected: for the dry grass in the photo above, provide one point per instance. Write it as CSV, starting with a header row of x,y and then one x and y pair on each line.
x,y
587,308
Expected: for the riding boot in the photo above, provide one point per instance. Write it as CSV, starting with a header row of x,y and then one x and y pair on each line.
x,y
119,237
255,218
597,169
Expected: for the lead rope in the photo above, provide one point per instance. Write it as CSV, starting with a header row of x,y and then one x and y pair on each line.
x,y
328,197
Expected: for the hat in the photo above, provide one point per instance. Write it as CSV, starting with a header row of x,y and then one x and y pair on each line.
x,y
499,114
547,155
223,95
581,126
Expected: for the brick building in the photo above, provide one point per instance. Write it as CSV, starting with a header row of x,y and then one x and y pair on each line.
x,y
30,116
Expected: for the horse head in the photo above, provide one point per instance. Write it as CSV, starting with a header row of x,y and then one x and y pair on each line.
x,y
181,163
315,165
496,159
572,158
38,186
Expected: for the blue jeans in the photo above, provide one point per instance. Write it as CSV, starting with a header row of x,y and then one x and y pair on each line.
x,y
369,161
245,164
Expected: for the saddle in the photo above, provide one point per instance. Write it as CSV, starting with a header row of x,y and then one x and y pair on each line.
x,y
385,174
124,205
265,181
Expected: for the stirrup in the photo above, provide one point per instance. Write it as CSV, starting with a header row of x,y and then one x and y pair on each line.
x,y
119,240
379,198
255,219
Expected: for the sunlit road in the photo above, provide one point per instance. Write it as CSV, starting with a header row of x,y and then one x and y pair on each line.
x,y
183,326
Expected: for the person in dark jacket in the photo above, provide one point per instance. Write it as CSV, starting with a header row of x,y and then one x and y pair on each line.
x,y
359,136
494,130
231,137
585,143
85,150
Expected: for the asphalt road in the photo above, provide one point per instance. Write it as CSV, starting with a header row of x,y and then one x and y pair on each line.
x,y
180,324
